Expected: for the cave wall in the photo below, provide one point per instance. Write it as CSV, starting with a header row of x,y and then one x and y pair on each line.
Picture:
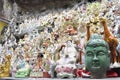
x,y
34,5
41,5
1,8
37,5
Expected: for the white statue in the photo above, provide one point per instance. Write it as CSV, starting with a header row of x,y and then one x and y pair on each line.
x,y
66,64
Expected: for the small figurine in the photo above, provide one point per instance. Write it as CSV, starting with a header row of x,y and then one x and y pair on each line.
x,y
23,68
71,30
37,70
80,48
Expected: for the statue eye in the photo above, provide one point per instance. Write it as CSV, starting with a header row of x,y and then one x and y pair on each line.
x,y
101,53
89,54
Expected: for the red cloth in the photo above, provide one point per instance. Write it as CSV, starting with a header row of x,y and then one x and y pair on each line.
x,y
111,73
82,73
85,74
46,75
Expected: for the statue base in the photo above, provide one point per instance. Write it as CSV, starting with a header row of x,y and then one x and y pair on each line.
x,y
39,74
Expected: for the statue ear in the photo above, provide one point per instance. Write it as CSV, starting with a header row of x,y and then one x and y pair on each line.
x,y
109,53
85,46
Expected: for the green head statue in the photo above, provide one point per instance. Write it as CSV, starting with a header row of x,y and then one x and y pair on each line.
x,y
97,56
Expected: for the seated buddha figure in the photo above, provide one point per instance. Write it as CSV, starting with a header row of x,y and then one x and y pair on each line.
x,y
23,68
5,66
97,56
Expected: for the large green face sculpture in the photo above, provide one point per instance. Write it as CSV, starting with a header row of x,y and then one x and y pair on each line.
x,y
97,56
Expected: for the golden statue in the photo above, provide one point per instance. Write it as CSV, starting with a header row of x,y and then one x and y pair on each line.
x,y
3,24
5,66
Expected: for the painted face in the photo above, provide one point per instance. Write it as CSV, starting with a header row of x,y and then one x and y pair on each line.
x,y
97,59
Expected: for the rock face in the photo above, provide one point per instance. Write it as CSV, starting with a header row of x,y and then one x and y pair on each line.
x,y
43,4
1,7
32,6
39,5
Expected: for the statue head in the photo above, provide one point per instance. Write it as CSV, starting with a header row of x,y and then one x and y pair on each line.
x,y
39,56
97,56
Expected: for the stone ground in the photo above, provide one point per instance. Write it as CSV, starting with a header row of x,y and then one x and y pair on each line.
x,y
118,78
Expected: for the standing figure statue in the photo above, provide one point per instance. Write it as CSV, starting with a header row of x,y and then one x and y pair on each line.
x,y
97,56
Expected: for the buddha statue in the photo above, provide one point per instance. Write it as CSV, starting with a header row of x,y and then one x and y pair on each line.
x,y
97,56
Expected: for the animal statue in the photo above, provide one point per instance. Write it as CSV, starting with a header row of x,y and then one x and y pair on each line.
x,y
112,41
88,31
118,51
5,66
